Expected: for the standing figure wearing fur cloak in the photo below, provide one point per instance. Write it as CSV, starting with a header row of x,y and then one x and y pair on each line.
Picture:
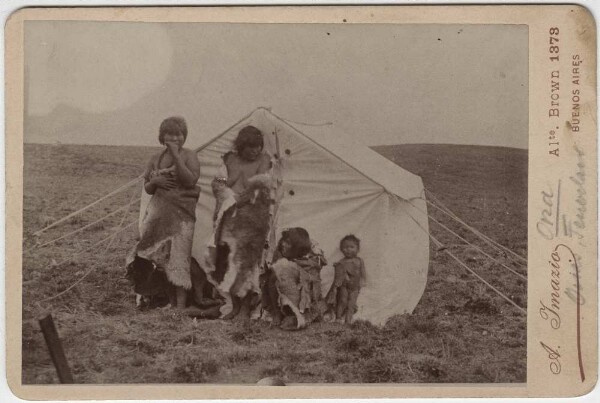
x,y
241,223
167,229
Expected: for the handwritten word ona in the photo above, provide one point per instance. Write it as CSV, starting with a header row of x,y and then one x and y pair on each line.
x,y
545,225
551,311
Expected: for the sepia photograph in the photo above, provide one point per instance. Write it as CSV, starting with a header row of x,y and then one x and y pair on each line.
x,y
274,203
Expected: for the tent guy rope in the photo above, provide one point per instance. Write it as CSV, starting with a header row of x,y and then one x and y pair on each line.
x,y
131,201
307,124
94,267
78,230
333,154
94,244
442,248
460,262
473,231
449,212
111,238
471,244
114,192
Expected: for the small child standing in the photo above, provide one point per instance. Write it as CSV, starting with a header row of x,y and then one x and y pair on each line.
x,y
350,276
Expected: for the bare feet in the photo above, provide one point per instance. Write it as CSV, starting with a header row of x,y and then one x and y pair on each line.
x,y
277,317
235,309
289,323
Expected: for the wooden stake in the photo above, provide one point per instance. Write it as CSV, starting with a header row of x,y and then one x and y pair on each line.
x,y
56,350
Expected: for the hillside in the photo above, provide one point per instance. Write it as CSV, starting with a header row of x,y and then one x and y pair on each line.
x,y
485,185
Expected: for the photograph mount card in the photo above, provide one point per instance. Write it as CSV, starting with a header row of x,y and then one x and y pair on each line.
x,y
348,201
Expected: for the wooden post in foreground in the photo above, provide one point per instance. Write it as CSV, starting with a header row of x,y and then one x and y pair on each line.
x,y
56,351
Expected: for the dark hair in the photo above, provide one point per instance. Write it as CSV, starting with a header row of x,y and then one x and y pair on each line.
x,y
299,240
249,136
175,125
351,238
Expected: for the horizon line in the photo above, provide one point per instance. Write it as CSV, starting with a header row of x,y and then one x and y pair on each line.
x,y
57,143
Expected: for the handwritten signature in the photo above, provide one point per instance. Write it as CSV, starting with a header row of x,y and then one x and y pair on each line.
x,y
551,311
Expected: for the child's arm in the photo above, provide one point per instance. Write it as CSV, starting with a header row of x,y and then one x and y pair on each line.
x,y
339,275
265,164
186,165
151,183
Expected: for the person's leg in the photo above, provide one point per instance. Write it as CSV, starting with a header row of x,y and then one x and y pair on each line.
x,y
172,294
181,295
351,308
317,303
265,299
342,302
247,304
236,305
221,261
198,282
273,299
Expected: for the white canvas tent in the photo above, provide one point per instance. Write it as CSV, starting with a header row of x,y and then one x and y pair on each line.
x,y
332,187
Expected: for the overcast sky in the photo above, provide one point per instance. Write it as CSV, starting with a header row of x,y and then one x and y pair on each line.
x,y
113,83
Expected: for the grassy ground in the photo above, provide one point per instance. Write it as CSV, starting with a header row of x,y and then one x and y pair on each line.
x,y
459,332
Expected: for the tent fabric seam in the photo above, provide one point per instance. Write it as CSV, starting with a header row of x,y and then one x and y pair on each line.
x,y
333,154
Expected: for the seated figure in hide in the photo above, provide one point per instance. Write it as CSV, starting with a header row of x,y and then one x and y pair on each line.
x,y
291,286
